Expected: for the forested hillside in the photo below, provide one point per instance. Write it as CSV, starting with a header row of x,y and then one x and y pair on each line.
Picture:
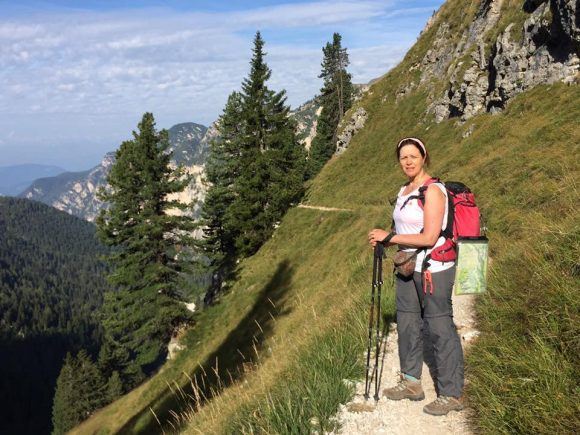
x,y
51,285
492,88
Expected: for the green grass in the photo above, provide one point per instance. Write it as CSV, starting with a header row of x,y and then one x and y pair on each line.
x,y
322,376
297,312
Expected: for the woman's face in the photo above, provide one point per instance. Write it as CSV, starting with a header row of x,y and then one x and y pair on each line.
x,y
411,160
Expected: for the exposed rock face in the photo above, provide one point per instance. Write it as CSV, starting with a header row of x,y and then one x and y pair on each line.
x,y
76,193
306,117
193,195
538,59
437,58
567,19
356,122
491,75
73,192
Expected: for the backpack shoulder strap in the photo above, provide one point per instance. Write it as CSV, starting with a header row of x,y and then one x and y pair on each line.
x,y
423,189
421,196
447,232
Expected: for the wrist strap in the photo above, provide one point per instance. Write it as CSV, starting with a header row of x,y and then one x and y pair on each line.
x,y
388,238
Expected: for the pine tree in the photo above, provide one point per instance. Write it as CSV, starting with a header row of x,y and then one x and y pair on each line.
x,y
114,387
271,160
65,415
90,385
222,170
80,390
148,258
336,98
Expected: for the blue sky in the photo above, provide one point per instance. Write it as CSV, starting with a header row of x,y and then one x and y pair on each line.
x,y
76,76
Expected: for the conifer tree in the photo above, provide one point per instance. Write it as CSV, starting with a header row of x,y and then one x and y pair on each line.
x,y
64,413
90,385
255,171
80,390
336,98
271,160
140,316
114,387
222,170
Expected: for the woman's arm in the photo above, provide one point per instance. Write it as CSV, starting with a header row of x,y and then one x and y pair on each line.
x,y
434,211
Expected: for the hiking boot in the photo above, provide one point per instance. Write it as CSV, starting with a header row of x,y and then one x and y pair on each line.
x,y
405,389
442,405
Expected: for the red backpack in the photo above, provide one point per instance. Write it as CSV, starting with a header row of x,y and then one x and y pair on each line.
x,y
463,218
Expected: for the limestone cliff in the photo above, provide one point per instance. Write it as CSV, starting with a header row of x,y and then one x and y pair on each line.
x,y
484,72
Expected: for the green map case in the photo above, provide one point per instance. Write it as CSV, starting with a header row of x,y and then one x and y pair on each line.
x,y
471,274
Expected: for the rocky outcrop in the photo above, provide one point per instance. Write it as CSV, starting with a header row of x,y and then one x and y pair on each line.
x,y
306,117
438,57
355,123
542,57
567,20
487,76
307,114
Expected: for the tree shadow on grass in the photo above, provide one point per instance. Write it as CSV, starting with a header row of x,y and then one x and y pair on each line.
x,y
238,353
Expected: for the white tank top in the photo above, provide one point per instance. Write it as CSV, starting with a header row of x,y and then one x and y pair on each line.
x,y
409,220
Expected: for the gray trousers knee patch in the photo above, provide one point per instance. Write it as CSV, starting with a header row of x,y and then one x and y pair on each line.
x,y
429,315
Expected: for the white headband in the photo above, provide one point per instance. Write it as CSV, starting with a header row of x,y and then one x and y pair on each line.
x,y
417,142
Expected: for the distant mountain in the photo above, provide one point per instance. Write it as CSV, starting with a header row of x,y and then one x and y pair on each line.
x,y
186,143
51,287
73,192
76,192
14,179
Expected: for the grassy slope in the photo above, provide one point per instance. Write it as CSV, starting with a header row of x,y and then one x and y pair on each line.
x,y
302,296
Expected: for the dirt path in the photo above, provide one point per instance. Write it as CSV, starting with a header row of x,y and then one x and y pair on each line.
x,y
407,417
315,207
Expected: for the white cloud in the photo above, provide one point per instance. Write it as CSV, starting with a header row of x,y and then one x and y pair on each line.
x,y
115,65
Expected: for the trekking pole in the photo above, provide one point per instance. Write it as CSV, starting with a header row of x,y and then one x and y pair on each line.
x,y
379,260
371,321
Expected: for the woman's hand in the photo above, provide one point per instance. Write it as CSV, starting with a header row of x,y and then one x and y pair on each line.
x,y
377,235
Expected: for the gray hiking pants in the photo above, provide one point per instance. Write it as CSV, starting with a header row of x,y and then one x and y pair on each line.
x,y
426,331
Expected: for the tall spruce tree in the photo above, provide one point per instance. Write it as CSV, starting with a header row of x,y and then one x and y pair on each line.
x,y
64,413
148,259
336,98
271,160
80,390
221,172
255,171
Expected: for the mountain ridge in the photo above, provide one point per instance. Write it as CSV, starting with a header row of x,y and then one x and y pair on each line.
x,y
15,178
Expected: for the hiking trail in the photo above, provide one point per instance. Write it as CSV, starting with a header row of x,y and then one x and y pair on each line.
x,y
317,207
404,416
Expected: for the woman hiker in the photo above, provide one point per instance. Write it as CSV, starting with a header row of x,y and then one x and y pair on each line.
x,y
424,297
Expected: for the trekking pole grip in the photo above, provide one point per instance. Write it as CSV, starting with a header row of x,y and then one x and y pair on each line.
x,y
379,250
